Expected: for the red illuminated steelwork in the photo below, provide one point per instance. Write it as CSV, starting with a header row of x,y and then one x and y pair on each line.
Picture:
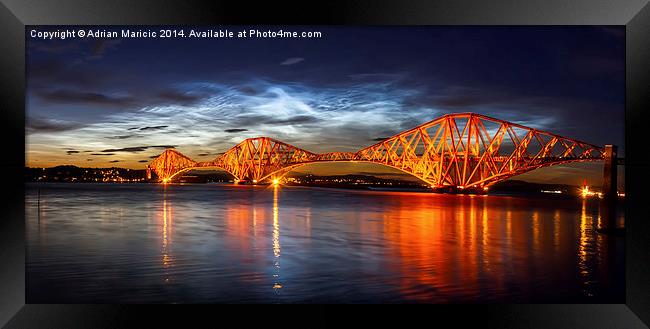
x,y
458,151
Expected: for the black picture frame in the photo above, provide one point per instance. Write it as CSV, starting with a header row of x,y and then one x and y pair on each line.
x,y
635,15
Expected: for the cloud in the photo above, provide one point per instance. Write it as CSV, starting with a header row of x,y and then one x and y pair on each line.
x,y
120,137
35,125
114,161
102,154
376,76
143,161
43,74
248,90
299,119
138,148
71,152
345,117
292,61
163,146
127,149
154,128
68,96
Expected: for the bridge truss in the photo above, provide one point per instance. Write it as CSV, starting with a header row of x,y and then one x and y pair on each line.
x,y
464,150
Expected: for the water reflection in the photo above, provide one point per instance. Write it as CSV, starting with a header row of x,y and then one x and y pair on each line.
x,y
556,230
585,251
277,285
252,244
167,224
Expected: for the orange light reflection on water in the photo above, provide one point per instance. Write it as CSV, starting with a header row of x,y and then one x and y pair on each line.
x,y
437,247
167,225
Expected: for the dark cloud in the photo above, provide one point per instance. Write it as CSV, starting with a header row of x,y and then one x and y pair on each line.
x,y
292,61
295,120
235,130
154,156
203,154
135,149
143,161
247,90
50,125
89,159
461,98
69,96
102,154
127,149
379,139
51,72
121,137
154,128
256,119
113,161
71,152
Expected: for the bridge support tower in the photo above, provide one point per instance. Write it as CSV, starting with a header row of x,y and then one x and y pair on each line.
x,y
607,220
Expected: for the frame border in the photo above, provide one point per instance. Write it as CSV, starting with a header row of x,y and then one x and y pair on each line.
x,y
634,14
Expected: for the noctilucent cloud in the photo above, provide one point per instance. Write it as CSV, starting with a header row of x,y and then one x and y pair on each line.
x,y
120,101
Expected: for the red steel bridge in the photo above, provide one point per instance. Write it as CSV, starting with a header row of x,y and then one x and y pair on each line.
x,y
455,151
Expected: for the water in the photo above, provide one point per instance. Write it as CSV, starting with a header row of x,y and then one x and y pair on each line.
x,y
103,243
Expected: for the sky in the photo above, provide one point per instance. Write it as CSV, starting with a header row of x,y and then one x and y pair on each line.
x,y
120,102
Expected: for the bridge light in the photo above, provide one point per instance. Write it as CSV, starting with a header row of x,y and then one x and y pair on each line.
x,y
276,181
165,180
254,181
485,188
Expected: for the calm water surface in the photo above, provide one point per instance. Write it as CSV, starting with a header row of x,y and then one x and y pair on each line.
x,y
102,243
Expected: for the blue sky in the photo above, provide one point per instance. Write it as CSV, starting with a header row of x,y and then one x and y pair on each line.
x,y
119,102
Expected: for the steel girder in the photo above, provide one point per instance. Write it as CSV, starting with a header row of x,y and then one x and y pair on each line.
x,y
464,150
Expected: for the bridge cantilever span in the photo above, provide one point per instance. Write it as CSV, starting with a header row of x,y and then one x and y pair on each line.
x,y
464,150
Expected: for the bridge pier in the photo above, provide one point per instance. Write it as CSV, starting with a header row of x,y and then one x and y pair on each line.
x,y
607,220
